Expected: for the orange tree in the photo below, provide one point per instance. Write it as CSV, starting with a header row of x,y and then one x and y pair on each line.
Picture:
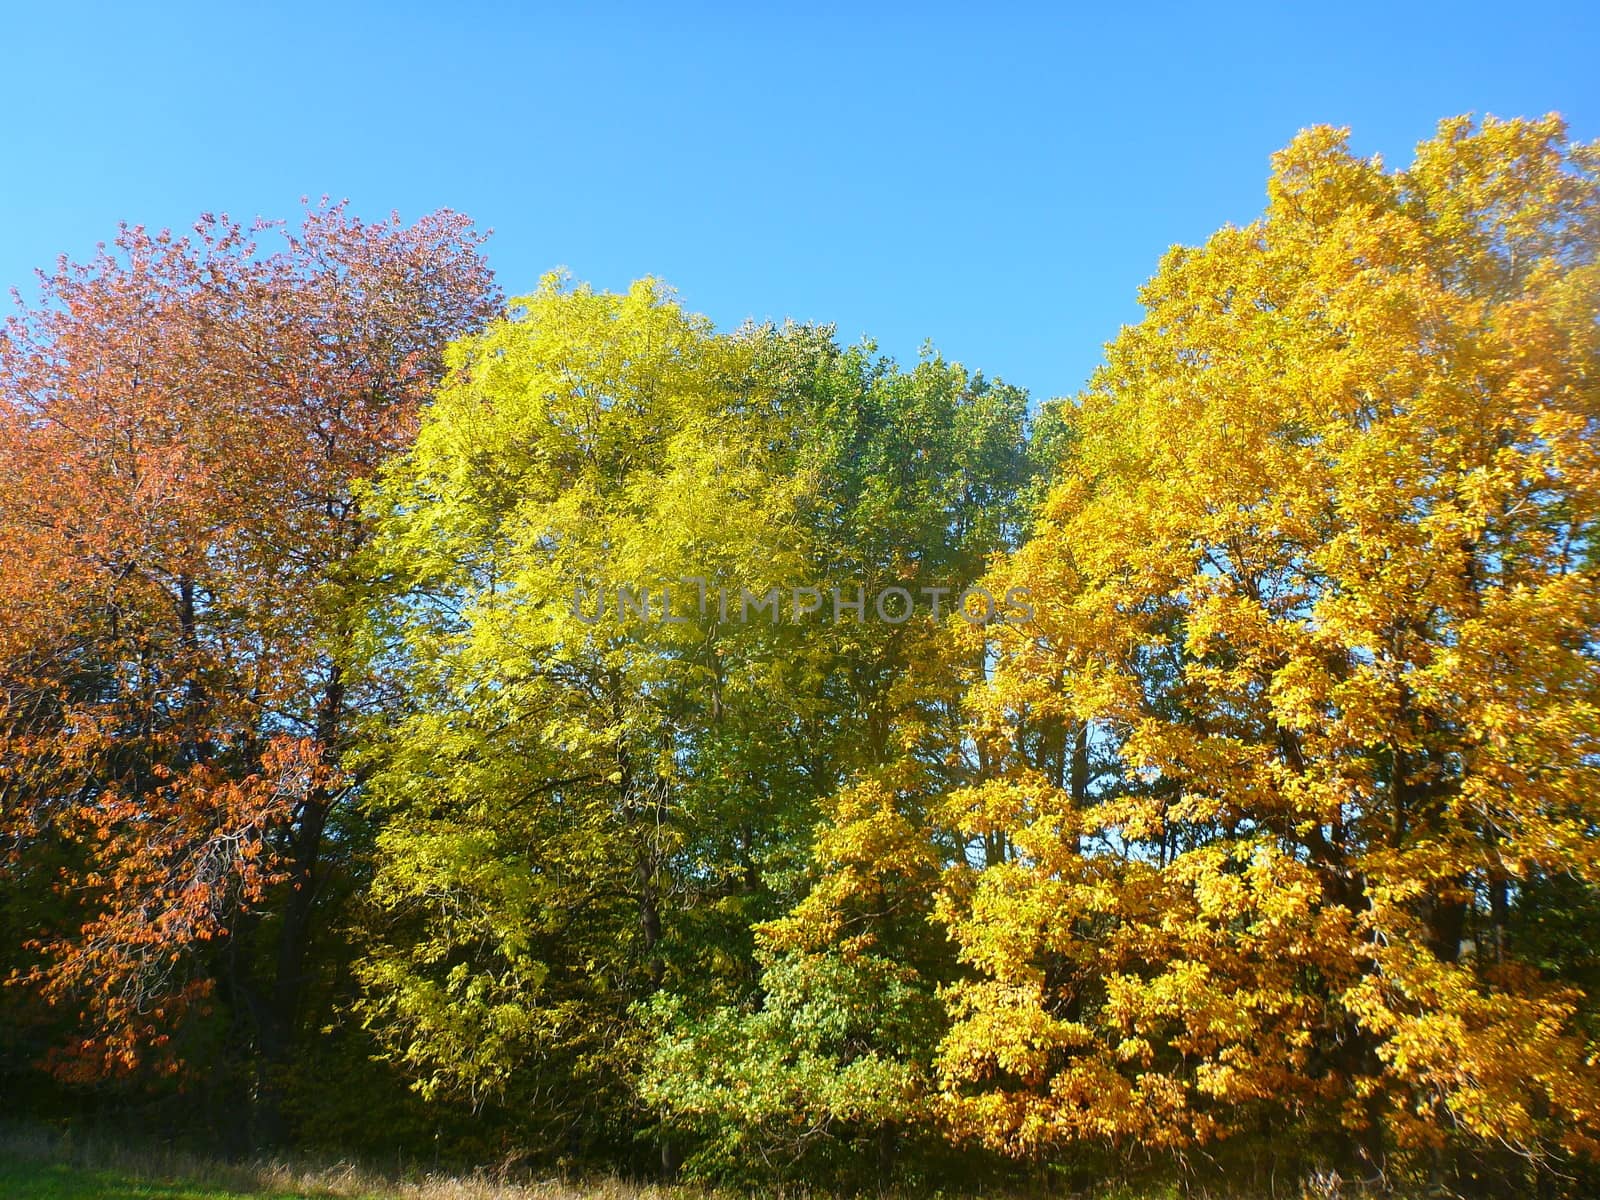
x,y
181,421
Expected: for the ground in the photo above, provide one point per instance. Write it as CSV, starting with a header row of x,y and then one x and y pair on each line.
x,y
37,1164
23,1180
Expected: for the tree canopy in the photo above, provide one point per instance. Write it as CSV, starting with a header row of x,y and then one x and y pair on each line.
x,y
607,741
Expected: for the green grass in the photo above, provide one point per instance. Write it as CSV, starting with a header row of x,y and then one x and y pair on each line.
x,y
42,1164
24,1180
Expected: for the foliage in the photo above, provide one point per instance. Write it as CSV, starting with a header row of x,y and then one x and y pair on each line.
x,y
180,425
497,710
585,806
1319,580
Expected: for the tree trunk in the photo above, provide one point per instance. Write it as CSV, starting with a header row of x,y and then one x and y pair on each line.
x,y
281,1015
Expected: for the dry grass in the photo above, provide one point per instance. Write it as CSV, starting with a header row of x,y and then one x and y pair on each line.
x,y
111,1167
281,1177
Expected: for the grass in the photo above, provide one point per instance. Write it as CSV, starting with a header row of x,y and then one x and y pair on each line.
x,y
40,1165
21,1180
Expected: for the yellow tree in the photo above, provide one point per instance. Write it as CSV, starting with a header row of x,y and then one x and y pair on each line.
x,y
554,785
1320,582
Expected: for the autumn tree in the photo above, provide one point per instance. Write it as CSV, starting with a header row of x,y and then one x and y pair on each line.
x,y
573,711
1320,583
579,791
822,1071
181,423
628,691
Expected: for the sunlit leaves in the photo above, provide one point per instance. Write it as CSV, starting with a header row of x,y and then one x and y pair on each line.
x,y
1319,579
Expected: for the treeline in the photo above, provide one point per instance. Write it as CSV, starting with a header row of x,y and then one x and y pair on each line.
x,y
558,732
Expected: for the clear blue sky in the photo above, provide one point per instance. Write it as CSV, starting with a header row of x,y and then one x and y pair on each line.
x,y
997,180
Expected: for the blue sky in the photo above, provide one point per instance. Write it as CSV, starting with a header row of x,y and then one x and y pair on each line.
x,y
998,180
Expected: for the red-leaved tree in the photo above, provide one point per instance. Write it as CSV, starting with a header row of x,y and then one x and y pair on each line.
x,y
181,423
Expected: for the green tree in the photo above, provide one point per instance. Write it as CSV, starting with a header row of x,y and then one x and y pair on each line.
x,y
823,1070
